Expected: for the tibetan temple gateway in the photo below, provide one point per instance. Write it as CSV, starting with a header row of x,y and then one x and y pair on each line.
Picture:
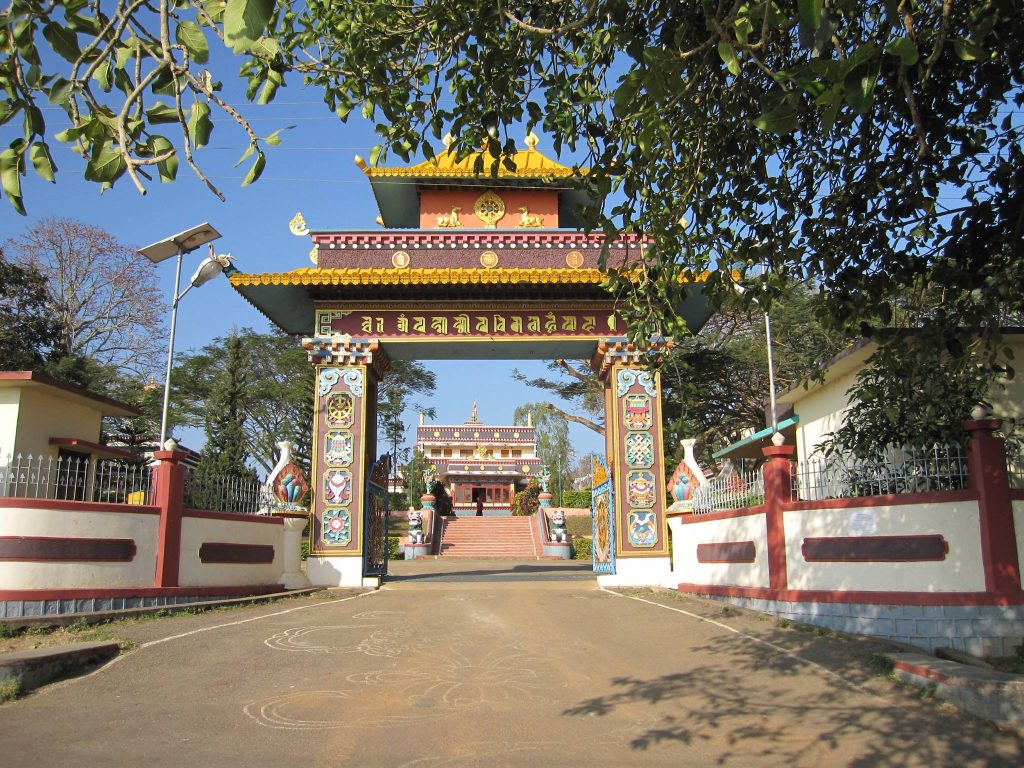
x,y
479,461
469,266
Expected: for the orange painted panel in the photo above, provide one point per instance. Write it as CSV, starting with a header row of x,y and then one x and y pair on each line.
x,y
439,202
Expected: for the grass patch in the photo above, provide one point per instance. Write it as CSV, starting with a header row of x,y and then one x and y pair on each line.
x,y
579,525
1012,664
9,691
881,664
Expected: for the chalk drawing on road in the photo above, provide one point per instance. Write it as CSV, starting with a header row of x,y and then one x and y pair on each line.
x,y
458,679
390,642
303,711
374,615
328,711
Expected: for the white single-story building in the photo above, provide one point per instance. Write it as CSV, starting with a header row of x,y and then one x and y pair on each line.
x,y
809,412
43,417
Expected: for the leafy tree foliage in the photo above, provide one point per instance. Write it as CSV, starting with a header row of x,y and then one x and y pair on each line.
x,y
553,447
414,485
581,389
106,300
226,450
716,385
864,145
406,379
28,331
277,394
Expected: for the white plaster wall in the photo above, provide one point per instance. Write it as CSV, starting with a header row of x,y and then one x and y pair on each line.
x,y
16,521
958,522
195,531
821,412
335,571
685,538
1007,396
9,399
43,416
1018,525
638,572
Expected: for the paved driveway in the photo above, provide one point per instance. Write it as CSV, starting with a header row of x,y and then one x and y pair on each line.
x,y
489,664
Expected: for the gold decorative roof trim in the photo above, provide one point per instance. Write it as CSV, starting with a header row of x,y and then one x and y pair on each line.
x,y
530,164
428,276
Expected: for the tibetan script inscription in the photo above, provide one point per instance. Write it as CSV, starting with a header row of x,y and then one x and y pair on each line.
x,y
388,323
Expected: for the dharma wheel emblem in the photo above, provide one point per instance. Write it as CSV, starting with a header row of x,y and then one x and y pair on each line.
x,y
489,208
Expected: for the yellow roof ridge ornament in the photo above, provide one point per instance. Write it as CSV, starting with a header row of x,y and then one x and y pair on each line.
x,y
297,226
531,141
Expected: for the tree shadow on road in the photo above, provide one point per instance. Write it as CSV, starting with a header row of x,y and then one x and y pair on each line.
x,y
755,704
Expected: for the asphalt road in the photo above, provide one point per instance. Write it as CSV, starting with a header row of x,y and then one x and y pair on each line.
x,y
490,665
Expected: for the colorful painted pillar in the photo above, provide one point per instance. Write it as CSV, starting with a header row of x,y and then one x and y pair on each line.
x,y
348,371
635,451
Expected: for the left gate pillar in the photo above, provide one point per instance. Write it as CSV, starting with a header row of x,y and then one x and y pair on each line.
x,y
348,371
636,461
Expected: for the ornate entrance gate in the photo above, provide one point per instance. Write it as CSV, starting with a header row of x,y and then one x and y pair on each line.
x,y
375,524
468,266
602,508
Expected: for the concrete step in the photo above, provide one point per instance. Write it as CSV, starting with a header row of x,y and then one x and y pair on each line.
x,y
488,537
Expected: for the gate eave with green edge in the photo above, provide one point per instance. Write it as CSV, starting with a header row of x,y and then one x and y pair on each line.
x,y
375,519
602,511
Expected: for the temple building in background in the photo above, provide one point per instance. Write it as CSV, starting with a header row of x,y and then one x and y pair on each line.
x,y
480,461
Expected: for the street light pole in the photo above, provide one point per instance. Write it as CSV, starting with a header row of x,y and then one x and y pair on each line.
x,y
178,245
170,349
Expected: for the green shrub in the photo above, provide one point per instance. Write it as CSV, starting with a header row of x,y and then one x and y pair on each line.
x,y
393,550
397,502
576,499
582,549
305,549
527,501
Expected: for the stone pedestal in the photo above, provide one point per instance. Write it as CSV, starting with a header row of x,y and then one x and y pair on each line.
x,y
292,576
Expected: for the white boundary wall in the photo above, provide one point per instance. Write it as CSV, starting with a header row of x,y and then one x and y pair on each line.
x,y
958,522
75,524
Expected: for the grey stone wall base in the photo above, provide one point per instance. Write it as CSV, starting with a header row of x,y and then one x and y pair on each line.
x,y
989,694
980,630
24,613
17,609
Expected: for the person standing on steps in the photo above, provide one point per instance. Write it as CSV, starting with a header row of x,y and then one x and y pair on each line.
x,y
479,506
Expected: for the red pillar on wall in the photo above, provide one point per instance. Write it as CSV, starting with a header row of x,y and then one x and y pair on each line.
x,y
169,478
778,488
986,462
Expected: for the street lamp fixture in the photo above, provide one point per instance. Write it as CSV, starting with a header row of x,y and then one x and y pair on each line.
x,y
178,245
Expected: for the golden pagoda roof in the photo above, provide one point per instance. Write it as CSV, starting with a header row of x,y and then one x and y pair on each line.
x,y
530,164
312,276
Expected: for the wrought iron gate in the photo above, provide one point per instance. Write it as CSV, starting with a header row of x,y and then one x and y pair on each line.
x,y
602,510
375,519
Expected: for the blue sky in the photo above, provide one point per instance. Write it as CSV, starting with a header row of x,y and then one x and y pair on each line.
x,y
312,171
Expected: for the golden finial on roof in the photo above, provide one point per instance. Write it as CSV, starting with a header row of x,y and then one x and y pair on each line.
x,y
362,164
297,226
532,140
473,416
448,140
314,255
380,220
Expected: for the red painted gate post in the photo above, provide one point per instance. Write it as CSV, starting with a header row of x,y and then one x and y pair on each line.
x,y
778,489
169,477
986,463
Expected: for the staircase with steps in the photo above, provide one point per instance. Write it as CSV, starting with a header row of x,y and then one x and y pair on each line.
x,y
489,537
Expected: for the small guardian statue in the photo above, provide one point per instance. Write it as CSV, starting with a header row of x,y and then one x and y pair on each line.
x,y
559,532
416,535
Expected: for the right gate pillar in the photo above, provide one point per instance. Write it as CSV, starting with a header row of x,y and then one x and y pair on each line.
x,y
636,461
